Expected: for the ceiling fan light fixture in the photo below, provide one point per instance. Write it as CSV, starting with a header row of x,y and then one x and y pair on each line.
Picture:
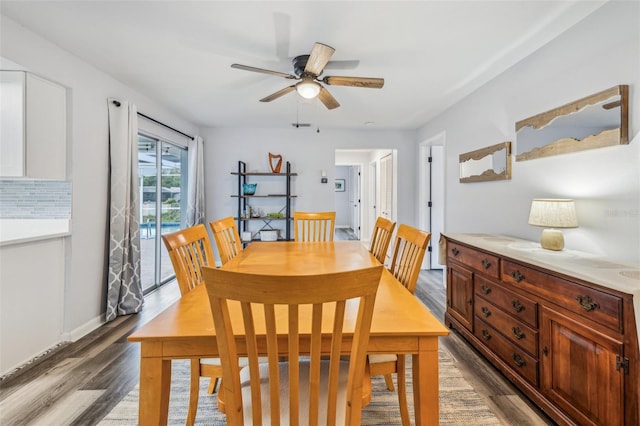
x,y
308,88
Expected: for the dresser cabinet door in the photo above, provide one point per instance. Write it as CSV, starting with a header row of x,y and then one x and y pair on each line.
x,y
578,370
460,294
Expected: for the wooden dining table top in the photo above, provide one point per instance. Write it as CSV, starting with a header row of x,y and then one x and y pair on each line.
x,y
396,312
401,324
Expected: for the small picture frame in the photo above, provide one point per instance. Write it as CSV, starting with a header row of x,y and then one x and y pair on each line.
x,y
339,185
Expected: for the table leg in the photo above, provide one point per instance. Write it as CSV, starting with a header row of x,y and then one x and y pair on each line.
x,y
155,386
425,382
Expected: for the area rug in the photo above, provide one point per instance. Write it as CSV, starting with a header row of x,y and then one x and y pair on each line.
x,y
459,403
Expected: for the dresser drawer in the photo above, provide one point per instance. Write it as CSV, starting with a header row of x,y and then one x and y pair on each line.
x,y
514,330
517,305
598,306
519,361
478,260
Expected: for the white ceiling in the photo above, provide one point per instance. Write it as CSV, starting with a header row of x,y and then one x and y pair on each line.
x,y
430,53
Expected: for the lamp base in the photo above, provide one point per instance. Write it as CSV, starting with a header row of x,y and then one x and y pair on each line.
x,y
552,239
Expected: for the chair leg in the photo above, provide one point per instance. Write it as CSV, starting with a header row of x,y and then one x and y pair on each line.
x,y
402,391
389,381
213,383
194,387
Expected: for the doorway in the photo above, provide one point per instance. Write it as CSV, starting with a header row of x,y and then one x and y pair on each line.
x,y
347,201
363,168
162,171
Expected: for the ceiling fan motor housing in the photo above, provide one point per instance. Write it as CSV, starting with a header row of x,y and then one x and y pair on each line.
x,y
299,63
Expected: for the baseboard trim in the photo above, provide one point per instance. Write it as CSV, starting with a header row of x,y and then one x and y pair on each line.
x,y
83,330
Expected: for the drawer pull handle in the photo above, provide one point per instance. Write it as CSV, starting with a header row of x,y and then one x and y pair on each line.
x,y
517,333
486,312
587,303
470,301
485,334
545,351
517,359
517,275
485,289
517,306
486,264
455,251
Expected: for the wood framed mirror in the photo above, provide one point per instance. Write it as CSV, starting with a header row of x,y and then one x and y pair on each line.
x,y
486,164
595,121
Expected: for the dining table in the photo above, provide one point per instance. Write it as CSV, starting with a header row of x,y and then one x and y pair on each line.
x,y
401,324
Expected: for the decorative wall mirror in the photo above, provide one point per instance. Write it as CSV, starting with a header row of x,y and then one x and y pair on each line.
x,y
486,164
592,122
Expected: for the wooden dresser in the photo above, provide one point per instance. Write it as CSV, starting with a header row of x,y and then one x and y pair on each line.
x,y
562,326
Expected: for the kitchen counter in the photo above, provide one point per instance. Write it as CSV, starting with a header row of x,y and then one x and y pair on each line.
x,y
17,231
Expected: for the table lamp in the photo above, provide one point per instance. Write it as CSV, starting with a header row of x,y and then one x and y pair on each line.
x,y
553,214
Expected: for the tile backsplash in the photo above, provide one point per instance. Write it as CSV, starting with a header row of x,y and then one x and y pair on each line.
x,y
35,199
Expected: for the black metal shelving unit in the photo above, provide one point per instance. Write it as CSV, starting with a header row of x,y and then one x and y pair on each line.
x,y
242,218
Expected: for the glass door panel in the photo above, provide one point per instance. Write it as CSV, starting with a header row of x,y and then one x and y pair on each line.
x,y
162,205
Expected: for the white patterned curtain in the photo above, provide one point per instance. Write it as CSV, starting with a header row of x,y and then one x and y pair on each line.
x,y
124,291
195,191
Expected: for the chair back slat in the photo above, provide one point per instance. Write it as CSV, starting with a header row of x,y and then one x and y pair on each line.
x,y
189,250
382,232
312,227
227,238
302,335
411,245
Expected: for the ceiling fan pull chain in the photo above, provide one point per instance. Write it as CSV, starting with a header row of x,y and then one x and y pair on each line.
x,y
317,117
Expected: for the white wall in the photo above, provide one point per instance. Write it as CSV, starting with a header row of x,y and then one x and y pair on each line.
x,y
600,52
309,153
83,279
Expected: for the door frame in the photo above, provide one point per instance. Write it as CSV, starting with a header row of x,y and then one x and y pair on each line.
x,y
425,188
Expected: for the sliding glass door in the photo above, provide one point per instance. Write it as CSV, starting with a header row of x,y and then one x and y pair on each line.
x,y
162,168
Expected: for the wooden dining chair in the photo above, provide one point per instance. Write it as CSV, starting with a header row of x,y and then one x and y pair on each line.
x,y
382,232
227,238
410,248
318,226
190,250
300,317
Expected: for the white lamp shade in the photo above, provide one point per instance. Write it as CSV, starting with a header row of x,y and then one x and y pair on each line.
x,y
553,213
308,88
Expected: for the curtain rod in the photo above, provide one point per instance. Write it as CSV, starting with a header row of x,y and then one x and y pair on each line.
x,y
117,103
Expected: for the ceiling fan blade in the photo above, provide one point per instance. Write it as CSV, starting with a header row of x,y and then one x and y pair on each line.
x,y
278,94
371,83
263,71
320,55
327,99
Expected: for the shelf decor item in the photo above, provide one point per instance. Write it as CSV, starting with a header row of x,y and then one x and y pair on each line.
x,y
269,235
278,166
249,188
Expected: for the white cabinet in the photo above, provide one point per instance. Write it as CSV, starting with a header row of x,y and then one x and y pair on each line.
x,y
34,127
12,85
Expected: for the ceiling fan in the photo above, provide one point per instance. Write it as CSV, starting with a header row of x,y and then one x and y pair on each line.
x,y
307,70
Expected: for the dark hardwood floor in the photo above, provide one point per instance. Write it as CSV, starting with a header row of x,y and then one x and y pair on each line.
x,y
79,383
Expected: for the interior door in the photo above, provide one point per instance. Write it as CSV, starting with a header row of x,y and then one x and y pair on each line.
x,y
437,203
386,187
354,198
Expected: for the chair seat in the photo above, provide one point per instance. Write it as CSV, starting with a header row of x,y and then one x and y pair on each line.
x,y
303,389
380,358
